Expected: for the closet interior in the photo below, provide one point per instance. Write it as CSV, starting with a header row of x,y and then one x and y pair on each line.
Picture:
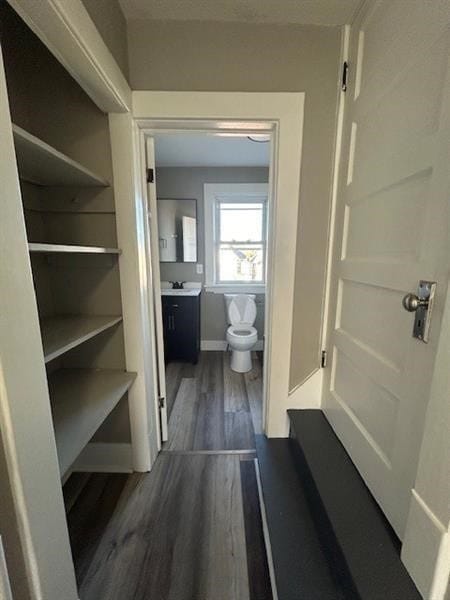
x,y
63,154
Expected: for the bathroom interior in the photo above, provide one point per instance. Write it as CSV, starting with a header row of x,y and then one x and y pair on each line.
x,y
212,215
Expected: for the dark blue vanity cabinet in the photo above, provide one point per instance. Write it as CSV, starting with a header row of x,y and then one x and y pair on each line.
x,y
181,319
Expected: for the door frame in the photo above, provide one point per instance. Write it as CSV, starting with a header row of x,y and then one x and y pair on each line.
x,y
147,130
280,114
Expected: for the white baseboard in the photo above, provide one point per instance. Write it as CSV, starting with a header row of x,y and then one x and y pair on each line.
x,y
213,345
221,345
426,550
308,394
105,458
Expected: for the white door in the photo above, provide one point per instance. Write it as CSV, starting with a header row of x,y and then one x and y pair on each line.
x,y
154,252
391,232
189,228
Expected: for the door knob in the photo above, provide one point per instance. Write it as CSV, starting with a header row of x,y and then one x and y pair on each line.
x,y
422,305
411,302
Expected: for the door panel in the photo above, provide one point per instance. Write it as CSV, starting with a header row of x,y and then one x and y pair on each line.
x,y
181,327
167,330
392,231
152,216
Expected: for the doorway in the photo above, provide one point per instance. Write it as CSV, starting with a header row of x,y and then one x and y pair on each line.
x,y
277,114
209,222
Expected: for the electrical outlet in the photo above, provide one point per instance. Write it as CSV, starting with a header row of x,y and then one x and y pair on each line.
x,y
199,269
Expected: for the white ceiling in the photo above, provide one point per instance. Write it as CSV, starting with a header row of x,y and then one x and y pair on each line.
x,y
203,150
300,12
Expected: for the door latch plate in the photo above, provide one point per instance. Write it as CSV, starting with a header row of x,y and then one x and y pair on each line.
x,y
426,291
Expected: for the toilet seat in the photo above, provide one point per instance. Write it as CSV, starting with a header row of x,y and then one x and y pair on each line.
x,y
241,309
241,331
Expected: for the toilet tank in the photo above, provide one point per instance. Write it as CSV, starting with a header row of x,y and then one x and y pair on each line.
x,y
241,309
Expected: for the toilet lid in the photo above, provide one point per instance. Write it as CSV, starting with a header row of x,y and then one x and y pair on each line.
x,y
242,310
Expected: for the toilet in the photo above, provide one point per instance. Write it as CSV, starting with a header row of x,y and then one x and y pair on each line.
x,y
241,335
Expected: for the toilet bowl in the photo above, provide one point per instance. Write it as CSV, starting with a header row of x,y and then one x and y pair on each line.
x,y
241,335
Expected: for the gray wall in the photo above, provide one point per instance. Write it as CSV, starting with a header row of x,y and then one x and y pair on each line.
x,y
110,22
193,55
181,182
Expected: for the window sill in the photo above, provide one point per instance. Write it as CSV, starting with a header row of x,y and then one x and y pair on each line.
x,y
244,288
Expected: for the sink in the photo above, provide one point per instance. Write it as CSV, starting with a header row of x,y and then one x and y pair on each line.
x,y
183,292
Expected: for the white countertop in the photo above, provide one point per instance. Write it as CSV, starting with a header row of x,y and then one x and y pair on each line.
x,y
182,292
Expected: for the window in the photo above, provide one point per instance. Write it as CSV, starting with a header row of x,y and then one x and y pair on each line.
x,y
240,241
235,236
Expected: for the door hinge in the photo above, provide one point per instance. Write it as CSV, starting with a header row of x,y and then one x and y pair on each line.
x,y
344,76
150,175
161,401
323,361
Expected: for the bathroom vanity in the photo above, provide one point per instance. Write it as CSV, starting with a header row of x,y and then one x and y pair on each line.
x,y
181,322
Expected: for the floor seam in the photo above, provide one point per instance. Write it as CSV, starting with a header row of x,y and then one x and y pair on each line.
x,y
191,452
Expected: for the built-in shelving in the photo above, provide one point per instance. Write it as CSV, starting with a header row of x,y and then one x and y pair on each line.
x,y
41,164
61,334
64,167
81,400
70,249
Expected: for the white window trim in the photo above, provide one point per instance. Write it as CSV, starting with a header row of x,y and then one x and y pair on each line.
x,y
211,193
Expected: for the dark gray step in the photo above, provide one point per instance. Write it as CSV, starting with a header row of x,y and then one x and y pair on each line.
x,y
302,571
349,523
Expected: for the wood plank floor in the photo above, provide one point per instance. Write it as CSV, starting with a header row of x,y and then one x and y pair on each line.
x,y
189,530
211,407
91,499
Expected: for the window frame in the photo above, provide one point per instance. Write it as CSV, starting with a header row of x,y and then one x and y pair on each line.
x,y
214,194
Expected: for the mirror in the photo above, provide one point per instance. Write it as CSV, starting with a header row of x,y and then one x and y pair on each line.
x,y
177,230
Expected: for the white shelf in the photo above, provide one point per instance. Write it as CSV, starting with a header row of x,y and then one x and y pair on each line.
x,y
81,400
70,249
41,164
61,334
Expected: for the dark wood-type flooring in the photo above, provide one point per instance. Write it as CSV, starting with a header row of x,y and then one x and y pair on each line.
x,y
190,529
211,407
